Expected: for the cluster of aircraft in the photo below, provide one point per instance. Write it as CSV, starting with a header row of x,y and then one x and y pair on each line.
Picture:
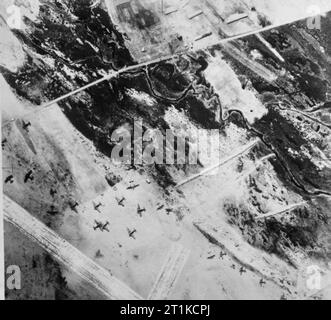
x,y
98,225
28,177
101,226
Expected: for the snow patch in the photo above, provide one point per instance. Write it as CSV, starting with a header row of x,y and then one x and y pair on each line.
x,y
27,9
12,56
141,97
230,91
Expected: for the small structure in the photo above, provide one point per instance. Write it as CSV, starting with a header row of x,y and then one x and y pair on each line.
x,y
195,14
236,17
203,36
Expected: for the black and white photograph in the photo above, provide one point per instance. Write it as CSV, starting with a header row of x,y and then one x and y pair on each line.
x,y
165,150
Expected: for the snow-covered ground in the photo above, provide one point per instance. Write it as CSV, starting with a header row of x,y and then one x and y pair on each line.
x,y
280,11
137,262
12,55
62,159
230,90
15,11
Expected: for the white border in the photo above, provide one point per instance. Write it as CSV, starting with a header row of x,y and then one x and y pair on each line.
x,y
2,253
